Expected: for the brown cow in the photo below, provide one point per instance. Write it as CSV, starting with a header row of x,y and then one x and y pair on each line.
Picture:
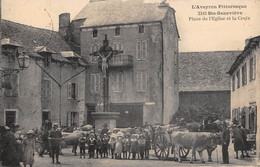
x,y
197,141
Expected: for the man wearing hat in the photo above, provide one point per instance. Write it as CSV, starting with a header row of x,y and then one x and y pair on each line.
x,y
225,143
55,141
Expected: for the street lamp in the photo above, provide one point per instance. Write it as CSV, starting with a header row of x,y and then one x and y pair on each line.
x,y
23,60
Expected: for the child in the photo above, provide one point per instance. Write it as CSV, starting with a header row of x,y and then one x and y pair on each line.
x,y
99,146
28,151
133,146
118,147
91,145
112,144
141,143
82,142
105,141
126,145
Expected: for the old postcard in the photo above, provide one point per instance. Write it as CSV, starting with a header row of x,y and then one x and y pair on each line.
x,y
129,83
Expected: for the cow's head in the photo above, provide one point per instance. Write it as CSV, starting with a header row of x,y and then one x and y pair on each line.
x,y
216,138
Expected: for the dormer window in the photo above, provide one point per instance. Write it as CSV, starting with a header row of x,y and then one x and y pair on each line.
x,y
10,52
95,33
141,28
117,31
47,60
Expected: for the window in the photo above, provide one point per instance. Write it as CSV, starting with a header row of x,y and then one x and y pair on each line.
x,y
13,81
72,91
238,79
118,46
141,28
47,60
94,48
95,83
46,89
117,31
141,50
141,80
46,93
252,69
10,117
118,79
74,119
244,75
233,83
95,33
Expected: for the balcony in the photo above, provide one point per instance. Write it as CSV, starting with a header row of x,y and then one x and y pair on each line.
x,y
121,61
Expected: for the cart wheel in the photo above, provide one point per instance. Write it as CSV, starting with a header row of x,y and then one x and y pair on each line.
x,y
38,146
184,152
161,146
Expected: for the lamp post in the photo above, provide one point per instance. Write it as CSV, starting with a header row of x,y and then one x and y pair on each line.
x,y
23,62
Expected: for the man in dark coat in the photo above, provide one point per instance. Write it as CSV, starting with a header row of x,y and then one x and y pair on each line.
x,y
45,143
225,144
55,141
238,141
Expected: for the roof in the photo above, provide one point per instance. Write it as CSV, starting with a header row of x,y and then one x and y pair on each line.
x,y
31,37
69,54
252,44
43,49
205,71
8,41
118,12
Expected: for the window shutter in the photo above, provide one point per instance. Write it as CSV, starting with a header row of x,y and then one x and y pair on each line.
x,y
121,82
97,83
138,50
76,90
69,90
8,92
144,50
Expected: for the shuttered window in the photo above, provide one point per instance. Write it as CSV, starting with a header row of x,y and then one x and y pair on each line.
x,y
252,72
118,82
72,90
94,48
233,83
13,81
238,79
46,93
95,83
244,74
141,80
141,50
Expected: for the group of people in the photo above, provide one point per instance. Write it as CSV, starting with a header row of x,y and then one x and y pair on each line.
x,y
120,145
16,148
239,138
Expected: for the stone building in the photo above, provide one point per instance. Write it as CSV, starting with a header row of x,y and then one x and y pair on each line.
x,y
245,88
144,78
204,81
34,95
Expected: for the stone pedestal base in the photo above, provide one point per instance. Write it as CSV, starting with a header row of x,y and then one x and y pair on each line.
x,y
105,117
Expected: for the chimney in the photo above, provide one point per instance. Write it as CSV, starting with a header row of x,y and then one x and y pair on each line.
x,y
64,25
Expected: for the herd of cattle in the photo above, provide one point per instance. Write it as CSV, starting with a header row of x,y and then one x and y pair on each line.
x,y
192,137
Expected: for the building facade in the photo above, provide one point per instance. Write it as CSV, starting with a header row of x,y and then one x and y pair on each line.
x,y
204,81
143,83
52,87
245,86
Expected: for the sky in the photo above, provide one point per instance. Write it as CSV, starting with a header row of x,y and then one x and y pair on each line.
x,y
194,35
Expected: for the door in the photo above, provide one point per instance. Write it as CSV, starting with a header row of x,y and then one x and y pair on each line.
x,y
10,118
90,108
45,116
130,114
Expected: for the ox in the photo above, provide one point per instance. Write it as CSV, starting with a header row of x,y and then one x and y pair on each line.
x,y
197,141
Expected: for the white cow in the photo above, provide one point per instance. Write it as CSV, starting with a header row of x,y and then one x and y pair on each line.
x,y
197,141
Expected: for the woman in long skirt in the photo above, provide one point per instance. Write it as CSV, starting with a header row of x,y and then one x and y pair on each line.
x,y
28,151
